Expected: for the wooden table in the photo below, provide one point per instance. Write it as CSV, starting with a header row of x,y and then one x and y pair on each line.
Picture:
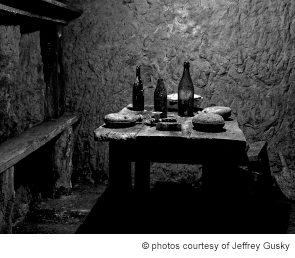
x,y
218,152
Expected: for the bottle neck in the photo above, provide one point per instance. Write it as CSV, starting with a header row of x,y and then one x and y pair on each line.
x,y
138,72
186,71
138,82
186,66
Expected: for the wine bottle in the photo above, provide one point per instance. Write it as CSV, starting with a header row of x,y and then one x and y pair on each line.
x,y
186,93
160,98
138,94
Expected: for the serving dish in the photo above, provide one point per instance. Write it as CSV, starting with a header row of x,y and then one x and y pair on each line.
x,y
172,101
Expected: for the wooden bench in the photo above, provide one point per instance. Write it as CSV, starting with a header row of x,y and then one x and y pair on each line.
x,y
259,166
14,150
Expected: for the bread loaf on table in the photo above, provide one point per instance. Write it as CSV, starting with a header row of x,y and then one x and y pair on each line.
x,y
208,122
225,112
121,120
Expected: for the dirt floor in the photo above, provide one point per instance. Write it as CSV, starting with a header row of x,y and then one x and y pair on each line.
x,y
167,208
63,215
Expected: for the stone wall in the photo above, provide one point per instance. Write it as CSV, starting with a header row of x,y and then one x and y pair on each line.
x,y
22,103
7,196
21,81
9,61
241,52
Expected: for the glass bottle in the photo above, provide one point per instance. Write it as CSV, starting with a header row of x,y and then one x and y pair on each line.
x,y
138,94
160,98
186,93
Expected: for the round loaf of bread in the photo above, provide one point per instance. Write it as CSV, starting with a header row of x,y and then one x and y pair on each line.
x,y
208,122
120,120
225,112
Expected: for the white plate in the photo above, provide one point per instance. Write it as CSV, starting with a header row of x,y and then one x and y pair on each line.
x,y
172,101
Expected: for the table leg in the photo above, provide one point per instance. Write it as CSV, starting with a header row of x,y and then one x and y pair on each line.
x,y
120,165
142,175
212,180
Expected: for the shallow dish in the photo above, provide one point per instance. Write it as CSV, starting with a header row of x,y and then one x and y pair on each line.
x,y
172,101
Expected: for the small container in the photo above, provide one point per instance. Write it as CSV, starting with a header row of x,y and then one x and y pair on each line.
x,y
168,126
156,115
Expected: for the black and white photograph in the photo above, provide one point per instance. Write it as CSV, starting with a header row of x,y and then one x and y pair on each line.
x,y
149,117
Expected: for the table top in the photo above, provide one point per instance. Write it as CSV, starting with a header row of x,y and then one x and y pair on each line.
x,y
231,133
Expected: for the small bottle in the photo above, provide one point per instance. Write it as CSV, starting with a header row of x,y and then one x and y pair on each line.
x,y
186,93
160,98
138,94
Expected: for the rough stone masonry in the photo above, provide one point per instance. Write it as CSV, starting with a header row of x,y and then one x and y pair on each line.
x,y
21,82
241,53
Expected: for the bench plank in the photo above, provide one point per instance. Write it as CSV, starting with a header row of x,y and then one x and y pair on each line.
x,y
18,147
255,150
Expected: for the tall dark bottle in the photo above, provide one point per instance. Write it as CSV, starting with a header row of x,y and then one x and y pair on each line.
x,y
160,98
186,93
138,94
